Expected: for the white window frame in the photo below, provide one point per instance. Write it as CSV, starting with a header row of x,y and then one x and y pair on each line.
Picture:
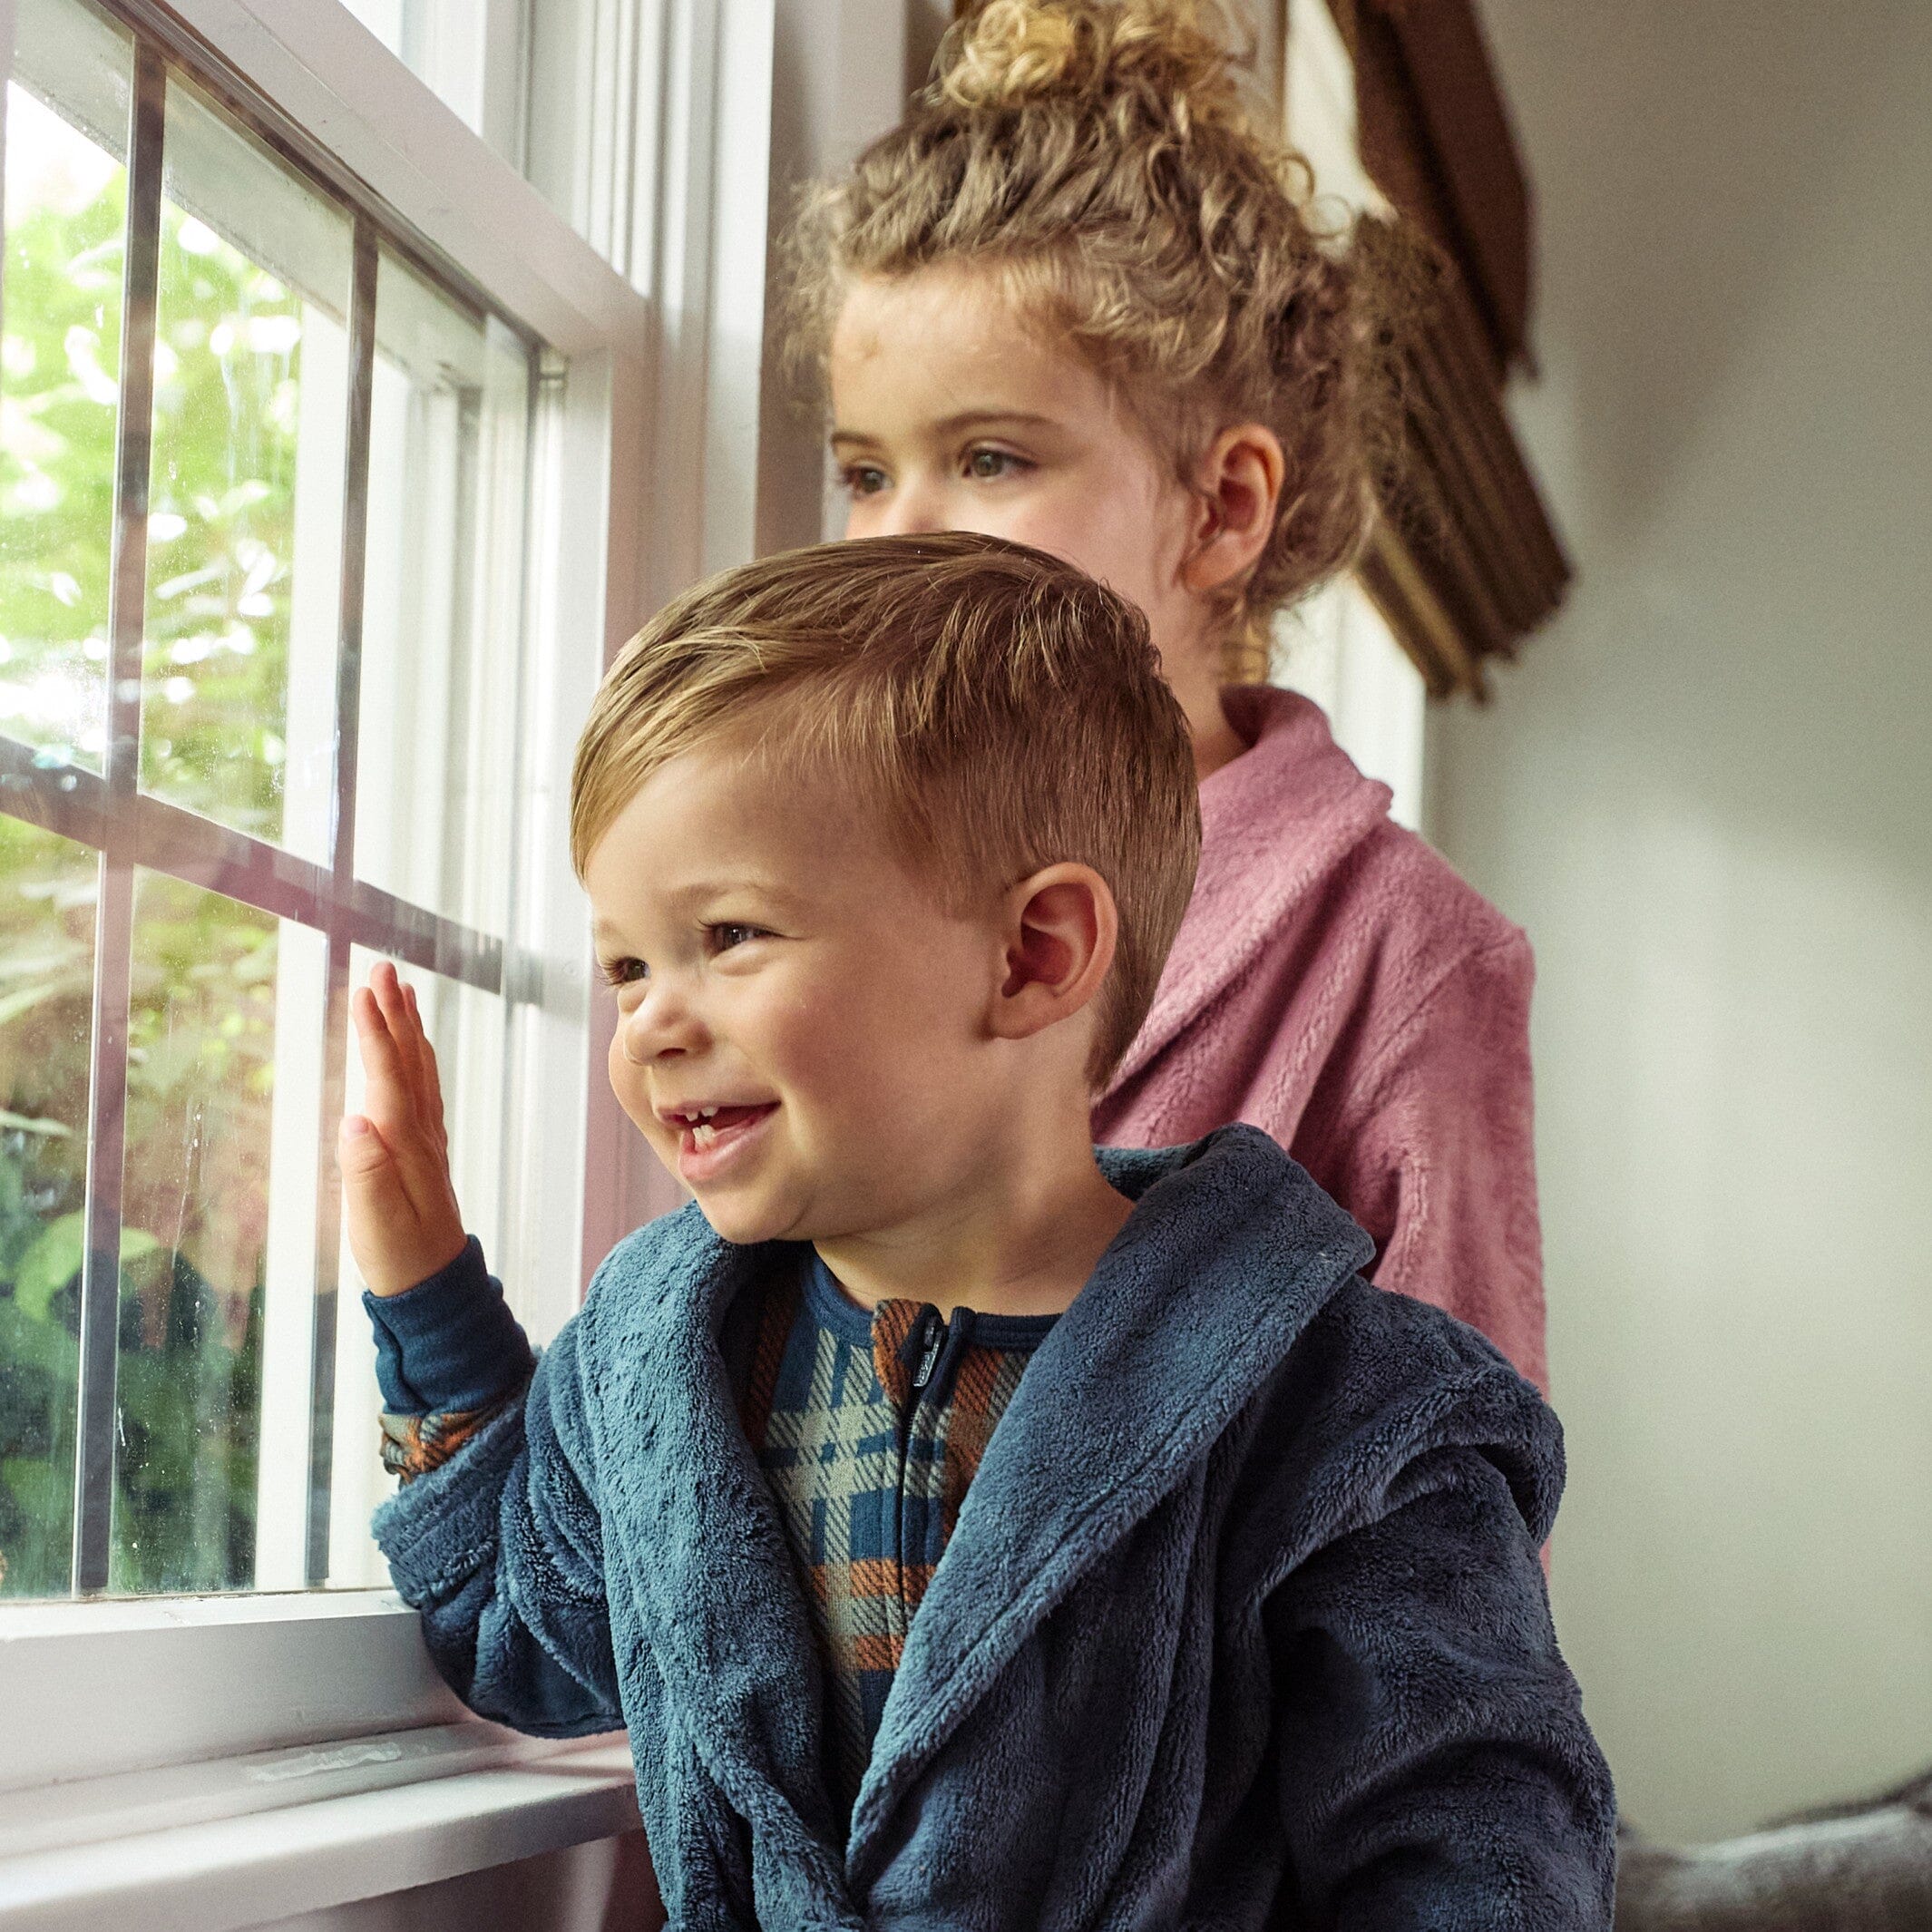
x,y
1336,647
233,1760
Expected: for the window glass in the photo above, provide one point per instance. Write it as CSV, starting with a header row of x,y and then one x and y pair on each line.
x,y
443,602
245,504
60,372
49,887
187,1400
196,1194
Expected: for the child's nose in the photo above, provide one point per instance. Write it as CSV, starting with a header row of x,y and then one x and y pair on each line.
x,y
915,509
660,1025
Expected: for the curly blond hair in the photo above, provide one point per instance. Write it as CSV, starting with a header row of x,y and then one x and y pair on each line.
x,y
1098,156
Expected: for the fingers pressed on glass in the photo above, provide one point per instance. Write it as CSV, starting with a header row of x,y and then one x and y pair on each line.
x,y
396,1022
389,1099
432,1086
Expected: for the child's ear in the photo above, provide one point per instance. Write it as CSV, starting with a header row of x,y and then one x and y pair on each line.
x,y
1238,486
1061,929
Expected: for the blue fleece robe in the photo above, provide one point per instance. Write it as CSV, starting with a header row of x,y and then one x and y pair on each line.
x,y
1242,1624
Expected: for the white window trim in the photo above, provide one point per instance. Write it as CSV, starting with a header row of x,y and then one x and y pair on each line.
x,y
1335,646
308,1756
120,1768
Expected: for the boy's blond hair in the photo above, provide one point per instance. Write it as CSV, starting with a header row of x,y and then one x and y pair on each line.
x,y
996,709
1096,157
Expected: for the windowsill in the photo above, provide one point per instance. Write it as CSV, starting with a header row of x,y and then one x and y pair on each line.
x,y
245,1841
220,1763
125,1685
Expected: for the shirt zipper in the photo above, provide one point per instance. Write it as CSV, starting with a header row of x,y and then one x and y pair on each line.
x,y
935,1341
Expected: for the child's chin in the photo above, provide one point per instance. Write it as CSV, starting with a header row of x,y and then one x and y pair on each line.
x,y
744,1223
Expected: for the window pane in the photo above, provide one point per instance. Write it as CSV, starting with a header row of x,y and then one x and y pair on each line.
x,y
467,1027
60,367
442,607
49,889
471,52
200,1204
245,513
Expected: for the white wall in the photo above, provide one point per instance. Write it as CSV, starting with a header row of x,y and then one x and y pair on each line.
x,y
1707,792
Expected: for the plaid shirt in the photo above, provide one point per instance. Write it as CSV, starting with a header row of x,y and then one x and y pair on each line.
x,y
869,1427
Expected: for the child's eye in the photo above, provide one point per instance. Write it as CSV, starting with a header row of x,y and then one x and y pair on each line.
x,y
863,479
730,933
988,465
623,972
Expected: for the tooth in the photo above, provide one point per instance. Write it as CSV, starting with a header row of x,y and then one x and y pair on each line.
x,y
704,1134
708,1111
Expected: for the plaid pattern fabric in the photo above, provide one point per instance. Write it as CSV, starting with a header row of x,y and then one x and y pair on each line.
x,y
869,1429
414,1445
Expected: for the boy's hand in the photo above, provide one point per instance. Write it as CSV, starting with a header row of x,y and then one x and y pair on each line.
x,y
404,1223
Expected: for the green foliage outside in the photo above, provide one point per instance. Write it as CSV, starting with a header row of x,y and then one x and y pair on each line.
x,y
202,1010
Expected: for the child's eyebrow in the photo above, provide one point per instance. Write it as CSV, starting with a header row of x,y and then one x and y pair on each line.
x,y
700,892
967,419
957,426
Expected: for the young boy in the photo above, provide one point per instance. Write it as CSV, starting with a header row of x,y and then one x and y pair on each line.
x,y
973,1530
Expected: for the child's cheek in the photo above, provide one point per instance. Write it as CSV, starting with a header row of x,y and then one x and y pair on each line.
x,y
628,1084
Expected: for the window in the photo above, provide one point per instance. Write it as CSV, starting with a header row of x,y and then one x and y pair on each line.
x,y
330,472
471,52
268,493
1337,648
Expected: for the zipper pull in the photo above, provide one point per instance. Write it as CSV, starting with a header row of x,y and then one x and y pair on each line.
x,y
935,1341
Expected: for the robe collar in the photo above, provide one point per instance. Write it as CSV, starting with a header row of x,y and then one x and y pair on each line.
x,y
1273,821
1228,1254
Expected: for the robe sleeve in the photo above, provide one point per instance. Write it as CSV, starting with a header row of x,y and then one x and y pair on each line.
x,y
1435,1766
1437,1154
498,1545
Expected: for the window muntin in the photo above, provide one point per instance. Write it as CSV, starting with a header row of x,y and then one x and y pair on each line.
x,y
194,1362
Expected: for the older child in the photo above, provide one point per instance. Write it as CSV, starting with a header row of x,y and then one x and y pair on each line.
x,y
974,1532
1077,300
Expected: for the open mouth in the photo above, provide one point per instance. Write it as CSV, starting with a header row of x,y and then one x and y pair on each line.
x,y
709,1138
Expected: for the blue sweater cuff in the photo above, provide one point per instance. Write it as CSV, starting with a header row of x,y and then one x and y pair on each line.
x,y
450,1343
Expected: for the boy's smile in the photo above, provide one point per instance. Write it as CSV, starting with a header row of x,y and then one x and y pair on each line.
x,y
772,958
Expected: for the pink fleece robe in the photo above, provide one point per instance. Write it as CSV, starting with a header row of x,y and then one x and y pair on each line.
x,y
1336,983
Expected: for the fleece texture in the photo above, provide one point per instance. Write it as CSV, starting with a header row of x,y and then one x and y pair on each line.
x,y
1241,1627
1335,984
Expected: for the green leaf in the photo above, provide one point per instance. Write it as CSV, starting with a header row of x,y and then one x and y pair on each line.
x,y
50,1264
44,1493
41,1353
55,1259
15,1004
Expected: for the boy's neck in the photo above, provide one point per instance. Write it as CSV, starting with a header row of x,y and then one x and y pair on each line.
x,y
1017,1238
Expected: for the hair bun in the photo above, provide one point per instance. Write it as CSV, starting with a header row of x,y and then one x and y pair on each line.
x,y
1165,54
